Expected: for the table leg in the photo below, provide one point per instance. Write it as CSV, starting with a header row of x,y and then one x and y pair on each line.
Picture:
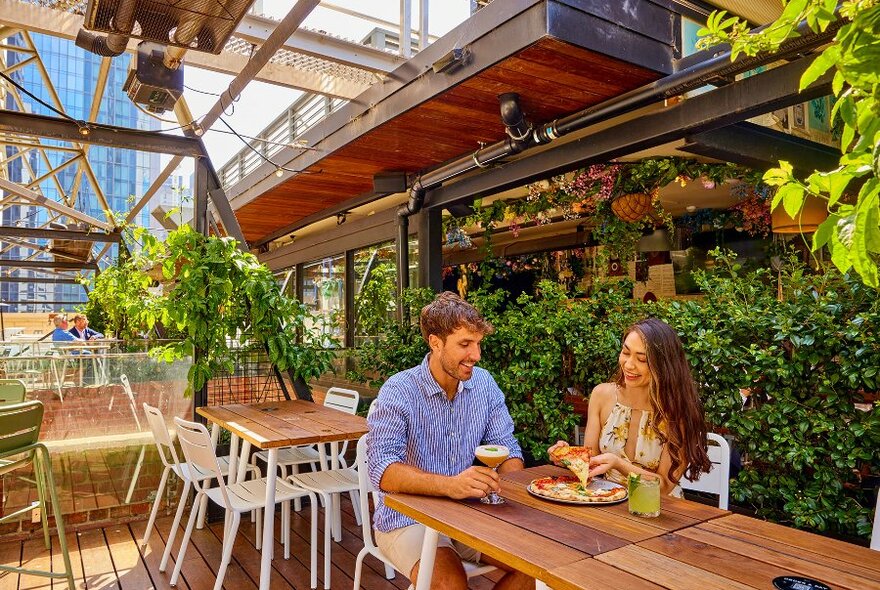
x,y
426,563
243,460
269,520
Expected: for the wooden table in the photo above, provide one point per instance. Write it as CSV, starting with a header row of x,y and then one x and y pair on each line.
x,y
690,545
270,426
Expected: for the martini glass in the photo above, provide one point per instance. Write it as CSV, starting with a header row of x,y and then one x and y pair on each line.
x,y
492,456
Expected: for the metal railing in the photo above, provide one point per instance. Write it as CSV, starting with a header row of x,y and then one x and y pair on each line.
x,y
283,132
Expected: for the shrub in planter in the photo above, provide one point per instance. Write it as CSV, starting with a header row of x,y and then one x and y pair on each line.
x,y
804,361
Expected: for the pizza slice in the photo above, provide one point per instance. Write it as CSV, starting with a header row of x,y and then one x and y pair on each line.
x,y
577,459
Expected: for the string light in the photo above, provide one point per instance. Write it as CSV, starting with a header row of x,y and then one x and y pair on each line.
x,y
84,130
279,172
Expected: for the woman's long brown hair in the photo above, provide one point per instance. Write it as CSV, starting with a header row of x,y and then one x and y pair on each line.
x,y
678,412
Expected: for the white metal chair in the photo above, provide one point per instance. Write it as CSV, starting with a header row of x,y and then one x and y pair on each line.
x,y
236,498
181,469
366,487
875,531
345,400
717,481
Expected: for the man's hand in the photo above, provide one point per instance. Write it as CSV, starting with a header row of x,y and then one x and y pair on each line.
x,y
473,482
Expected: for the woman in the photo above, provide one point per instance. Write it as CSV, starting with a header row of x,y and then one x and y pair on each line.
x,y
650,419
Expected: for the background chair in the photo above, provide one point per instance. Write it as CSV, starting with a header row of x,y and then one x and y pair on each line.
x,y
181,469
366,488
236,498
717,481
12,391
19,434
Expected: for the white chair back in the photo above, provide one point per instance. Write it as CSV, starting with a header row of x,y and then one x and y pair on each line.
x,y
161,435
875,532
344,400
717,481
199,452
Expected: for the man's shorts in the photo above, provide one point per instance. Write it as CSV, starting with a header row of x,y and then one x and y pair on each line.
x,y
403,547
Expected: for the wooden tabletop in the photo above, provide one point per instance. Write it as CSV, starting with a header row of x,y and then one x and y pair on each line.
x,y
733,552
537,536
285,423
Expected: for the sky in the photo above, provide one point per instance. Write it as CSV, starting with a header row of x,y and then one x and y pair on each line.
x,y
260,103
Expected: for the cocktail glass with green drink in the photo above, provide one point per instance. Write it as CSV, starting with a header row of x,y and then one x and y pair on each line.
x,y
644,494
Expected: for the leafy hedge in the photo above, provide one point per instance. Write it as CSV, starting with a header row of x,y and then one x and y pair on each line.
x,y
806,358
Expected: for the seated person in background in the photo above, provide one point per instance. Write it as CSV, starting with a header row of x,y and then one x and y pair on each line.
x,y
649,419
81,328
61,332
424,427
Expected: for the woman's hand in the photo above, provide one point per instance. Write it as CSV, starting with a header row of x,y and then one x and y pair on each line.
x,y
559,444
602,463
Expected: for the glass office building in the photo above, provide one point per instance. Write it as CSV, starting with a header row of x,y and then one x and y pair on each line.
x,y
123,175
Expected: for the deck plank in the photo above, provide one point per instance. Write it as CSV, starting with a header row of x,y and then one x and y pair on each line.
x,y
152,555
127,560
114,560
97,563
35,556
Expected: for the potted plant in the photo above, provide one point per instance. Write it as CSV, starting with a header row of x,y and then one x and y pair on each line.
x,y
220,298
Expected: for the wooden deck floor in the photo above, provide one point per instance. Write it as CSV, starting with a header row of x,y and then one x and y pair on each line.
x,y
111,558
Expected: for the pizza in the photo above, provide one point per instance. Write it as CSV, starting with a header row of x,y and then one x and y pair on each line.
x,y
569,489
577,459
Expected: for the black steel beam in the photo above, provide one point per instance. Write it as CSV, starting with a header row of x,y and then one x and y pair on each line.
x,y
57,234
40,281
430,228
771,90
56,264
761,148
119,137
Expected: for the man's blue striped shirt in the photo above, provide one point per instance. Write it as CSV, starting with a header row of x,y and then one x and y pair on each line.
x,y
413,422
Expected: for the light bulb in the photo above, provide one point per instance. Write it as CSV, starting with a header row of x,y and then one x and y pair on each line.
x,y
197,129
84,131
279,172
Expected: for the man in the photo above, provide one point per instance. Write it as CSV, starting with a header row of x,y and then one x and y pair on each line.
x,y
81,328
61,333
424,427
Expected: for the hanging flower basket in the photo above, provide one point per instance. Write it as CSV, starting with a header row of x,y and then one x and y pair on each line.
x,y
632,206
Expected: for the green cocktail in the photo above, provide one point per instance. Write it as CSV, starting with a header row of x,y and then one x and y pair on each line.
x,y
644,495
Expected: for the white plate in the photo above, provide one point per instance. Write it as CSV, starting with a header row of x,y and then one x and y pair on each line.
x,y
596,484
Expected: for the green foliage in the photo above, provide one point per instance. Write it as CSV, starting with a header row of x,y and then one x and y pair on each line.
x,y
374,304
852,230
805,359
399,346
117,301
217,297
